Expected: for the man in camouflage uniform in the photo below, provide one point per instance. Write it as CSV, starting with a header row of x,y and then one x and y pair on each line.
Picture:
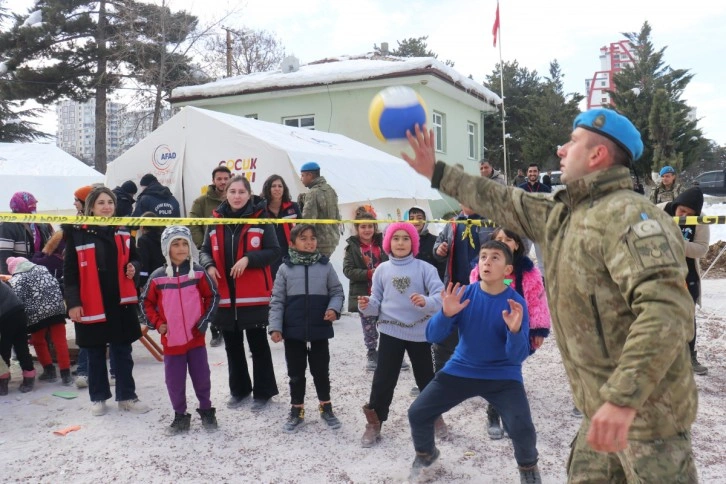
x,y
667,190
617,295
321,203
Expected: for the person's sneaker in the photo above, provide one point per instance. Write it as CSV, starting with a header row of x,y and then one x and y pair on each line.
x,y
259,404
133,406
295,420
112,380
235,401
494,426
181,423
82,381
326,413
49,374
530,475
415,392
372,360
209,418
698,368
99,408
404,365
576,412
66,378
422,461
216,340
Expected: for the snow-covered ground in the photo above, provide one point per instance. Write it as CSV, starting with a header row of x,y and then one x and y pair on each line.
x,y
252,448
710,207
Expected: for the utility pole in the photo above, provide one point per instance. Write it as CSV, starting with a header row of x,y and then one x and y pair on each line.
x,y
229,52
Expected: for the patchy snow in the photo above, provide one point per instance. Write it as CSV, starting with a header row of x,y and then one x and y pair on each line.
x,y
718,231
253,448
331,71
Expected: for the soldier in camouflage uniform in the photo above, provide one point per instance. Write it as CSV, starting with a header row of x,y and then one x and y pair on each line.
x,y
667,190
321,203
617,295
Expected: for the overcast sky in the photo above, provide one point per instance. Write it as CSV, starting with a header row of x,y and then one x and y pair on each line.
x,y
534,32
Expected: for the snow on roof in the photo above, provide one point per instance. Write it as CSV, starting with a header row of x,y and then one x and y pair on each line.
x,y
42,160
336,70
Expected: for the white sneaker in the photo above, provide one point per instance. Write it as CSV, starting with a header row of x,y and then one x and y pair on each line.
x,y
98,408
133,406
81,381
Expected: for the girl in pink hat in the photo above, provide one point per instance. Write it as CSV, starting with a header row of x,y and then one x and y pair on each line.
x,y
406,293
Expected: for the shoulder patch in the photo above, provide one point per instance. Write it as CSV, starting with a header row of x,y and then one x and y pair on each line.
x,y
649,246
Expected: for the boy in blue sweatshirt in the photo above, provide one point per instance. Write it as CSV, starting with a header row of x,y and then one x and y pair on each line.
x,y
493,327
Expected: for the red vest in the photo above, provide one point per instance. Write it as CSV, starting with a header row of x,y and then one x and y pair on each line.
x,y
91,299
287,207
254,286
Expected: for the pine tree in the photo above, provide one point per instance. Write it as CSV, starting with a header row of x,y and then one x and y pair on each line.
x,y
634,96
414,47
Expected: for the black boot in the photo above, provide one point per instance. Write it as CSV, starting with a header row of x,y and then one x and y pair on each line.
x,y
66,378
295,420
180,424
326,413
372,362
27,385
421,462
494,428
49,374
209,418
4,386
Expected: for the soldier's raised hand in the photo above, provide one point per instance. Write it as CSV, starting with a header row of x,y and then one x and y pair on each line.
x,y
451,299
513,317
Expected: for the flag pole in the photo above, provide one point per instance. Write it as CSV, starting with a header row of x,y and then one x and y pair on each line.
x,y
501,92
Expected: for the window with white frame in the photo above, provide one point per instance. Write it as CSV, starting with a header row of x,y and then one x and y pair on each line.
x,y
471,139
307,121
438,122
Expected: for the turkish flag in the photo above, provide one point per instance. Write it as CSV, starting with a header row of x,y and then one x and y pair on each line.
x,y
495,28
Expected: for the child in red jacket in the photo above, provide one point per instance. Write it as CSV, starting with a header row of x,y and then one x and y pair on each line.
x,y
180,301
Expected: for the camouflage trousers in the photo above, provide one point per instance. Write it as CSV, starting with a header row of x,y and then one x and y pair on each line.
x,y
370,332
643,462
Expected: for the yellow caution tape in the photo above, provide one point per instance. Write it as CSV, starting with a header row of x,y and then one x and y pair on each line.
x,y
166,221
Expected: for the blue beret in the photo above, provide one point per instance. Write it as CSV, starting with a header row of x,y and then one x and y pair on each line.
x,y
310,166
667,169
613,126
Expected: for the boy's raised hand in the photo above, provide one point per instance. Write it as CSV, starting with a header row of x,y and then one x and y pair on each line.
x,y
513,317
276,336
451,299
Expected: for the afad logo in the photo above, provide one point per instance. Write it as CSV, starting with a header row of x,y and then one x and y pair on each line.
x,y
163,157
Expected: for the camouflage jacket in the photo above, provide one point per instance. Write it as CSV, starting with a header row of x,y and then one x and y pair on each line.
x,y
202,208
662,194
321,203
615,271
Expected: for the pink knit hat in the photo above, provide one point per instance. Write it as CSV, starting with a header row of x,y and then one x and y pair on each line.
x,y
409,228
14,262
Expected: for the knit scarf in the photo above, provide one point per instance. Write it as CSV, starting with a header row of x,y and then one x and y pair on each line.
x,y
303,258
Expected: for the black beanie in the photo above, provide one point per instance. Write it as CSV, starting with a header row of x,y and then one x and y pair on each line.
x,y
691,198
147,180
129,187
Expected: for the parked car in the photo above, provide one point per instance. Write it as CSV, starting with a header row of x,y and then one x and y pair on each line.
x,y
712,182
554,178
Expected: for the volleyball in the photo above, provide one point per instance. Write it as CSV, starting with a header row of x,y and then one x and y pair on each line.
x,y
394,110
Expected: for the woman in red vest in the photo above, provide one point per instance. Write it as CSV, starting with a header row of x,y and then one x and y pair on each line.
x,y
238,258
280,205
100,268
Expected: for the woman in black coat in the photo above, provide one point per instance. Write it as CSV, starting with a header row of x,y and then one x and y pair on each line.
x,y
238,258
100,269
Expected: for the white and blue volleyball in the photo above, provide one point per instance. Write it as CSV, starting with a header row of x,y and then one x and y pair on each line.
x,y
394,110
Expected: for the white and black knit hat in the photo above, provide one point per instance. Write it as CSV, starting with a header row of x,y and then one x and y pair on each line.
x,y
169,235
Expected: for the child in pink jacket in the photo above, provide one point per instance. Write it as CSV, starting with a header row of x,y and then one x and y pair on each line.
x,y
180,300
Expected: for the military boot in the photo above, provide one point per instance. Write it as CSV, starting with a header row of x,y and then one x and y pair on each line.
x,y
698,368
